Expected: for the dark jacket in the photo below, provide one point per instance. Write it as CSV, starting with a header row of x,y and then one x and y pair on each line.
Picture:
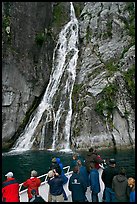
x,y
56,185
120,187
78,187
94,180
10,190
108,174
37,198
92,157
55,165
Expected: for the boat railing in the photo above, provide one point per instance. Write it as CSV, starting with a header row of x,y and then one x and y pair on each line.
x,y
66,171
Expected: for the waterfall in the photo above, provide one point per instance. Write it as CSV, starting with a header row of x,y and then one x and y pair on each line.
x,y
56,102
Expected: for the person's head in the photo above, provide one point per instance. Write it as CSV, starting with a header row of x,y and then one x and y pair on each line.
x,y
75,157
112,162
50,174
131,182
34,173
79,162
76,169
9,175
122,171
33,192
92,165
54,160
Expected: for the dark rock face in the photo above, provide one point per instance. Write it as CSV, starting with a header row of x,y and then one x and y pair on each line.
x,y
27,59
103,95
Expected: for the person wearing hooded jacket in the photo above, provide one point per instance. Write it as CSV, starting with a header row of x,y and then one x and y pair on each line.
x,y
120,186
32,183
10,189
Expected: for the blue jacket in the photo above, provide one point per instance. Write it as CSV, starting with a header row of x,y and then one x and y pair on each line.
x,y
56,185
83,172
78,187
132,196
94,180
62,171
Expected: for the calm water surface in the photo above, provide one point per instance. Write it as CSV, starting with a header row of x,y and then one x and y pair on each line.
x,y
22,163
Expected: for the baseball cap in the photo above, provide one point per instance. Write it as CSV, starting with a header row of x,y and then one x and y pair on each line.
x,y
9,174
112,161
53,160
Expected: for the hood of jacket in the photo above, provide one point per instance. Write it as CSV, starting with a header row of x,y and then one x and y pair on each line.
x,y
120,178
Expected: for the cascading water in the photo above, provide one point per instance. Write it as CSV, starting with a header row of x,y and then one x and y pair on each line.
x,y
57,102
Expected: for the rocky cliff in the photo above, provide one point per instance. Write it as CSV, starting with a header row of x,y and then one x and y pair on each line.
x,y
104,91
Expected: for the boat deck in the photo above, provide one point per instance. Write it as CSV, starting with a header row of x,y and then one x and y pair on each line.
x,y
44,189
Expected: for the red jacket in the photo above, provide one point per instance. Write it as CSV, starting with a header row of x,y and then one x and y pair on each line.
x,y
10,190
32,183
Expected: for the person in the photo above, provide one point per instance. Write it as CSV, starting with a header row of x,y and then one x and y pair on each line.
x,y
107,177
10,189
120,186
55,165
32,183
77,186
55,182
92,156
83,172
65,178
35,197
74,161
98,160
131,184
94,182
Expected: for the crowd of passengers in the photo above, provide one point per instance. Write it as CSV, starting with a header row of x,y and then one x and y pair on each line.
x,y
85,180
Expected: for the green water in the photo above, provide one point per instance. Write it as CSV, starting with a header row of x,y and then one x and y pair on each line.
x,y
21,164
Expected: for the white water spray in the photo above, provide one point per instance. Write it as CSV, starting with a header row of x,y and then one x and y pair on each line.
x,y
61,84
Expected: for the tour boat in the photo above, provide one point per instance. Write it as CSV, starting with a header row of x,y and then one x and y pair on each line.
x,y
44,188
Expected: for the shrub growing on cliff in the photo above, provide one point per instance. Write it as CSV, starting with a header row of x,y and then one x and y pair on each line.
x,y
130,80
40,38
107,103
